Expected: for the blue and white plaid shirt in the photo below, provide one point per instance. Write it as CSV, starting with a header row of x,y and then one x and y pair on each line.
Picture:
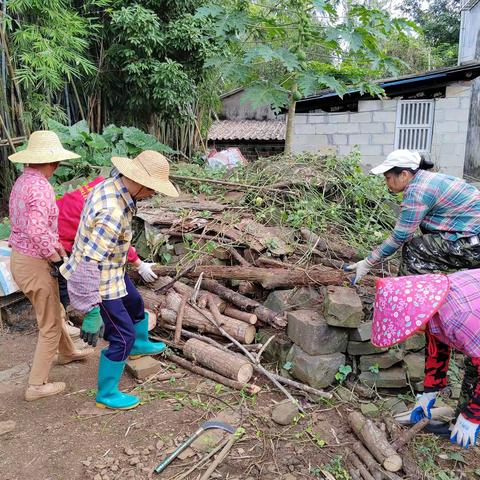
x,y
440,204
104,235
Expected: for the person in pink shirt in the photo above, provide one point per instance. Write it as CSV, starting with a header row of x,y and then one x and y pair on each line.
x,y
35,249
70,207
447,309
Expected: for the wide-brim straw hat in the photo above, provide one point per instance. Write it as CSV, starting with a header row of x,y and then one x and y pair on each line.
x,y
44,146
403,305
149,169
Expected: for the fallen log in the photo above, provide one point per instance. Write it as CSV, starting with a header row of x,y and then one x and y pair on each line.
x,y
375,441
269,278
264,314
182,362
226,364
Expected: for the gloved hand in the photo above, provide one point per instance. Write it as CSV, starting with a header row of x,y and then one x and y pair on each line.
x,y
146,272
465,432
361,269
92,327
423,405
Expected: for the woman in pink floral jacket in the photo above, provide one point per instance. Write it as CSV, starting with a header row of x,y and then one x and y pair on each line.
x,y
35,247
447,309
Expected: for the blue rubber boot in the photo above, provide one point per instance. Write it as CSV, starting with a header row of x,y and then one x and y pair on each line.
x,y
108,395
143,346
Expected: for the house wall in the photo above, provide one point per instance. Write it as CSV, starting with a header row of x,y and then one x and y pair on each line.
x,y
372,130
234,109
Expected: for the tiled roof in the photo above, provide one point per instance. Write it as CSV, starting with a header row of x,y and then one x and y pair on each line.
x,y
247,130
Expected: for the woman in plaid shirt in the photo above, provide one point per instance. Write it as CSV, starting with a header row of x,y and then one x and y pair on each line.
x,y
95,272
447,211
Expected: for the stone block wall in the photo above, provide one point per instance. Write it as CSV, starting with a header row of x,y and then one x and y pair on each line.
x,y
372,130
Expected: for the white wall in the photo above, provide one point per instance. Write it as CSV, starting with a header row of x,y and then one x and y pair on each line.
x,y
372,130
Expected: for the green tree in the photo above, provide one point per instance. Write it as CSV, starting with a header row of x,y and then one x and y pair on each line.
x,y
440,22
308,44
50,42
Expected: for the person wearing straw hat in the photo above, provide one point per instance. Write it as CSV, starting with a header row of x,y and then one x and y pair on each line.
x,y
97,282
447,309
70,207
35,251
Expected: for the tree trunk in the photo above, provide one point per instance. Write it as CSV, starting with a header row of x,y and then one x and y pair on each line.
x,y
228,365
289,134
376,441
269,278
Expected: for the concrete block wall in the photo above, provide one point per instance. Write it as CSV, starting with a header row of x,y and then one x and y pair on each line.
x,y
372,130
450,129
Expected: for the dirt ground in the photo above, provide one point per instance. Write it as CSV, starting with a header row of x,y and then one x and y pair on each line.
x,y
67,437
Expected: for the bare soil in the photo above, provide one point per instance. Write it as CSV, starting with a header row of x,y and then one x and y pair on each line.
x,y
67,437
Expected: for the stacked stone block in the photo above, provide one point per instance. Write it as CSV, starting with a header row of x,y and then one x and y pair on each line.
x,y
327,330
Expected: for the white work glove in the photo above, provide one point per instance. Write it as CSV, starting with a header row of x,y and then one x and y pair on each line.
x,y
146,272
423,406
465,432
360,268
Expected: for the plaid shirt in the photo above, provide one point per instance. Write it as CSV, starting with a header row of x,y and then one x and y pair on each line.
x,y
104,235
456,325
438,203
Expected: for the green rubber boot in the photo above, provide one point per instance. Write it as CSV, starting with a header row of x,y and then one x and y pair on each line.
x,y
143,346
108,395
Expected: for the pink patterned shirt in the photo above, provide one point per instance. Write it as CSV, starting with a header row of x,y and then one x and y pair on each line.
x,y
33,215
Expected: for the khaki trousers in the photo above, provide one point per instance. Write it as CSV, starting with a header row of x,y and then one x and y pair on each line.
x,y
33,277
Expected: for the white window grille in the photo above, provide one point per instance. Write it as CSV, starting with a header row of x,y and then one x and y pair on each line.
x,y
414,124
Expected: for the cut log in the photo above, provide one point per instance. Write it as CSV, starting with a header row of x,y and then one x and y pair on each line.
x,y
226,364
375,441
249,388
246,317
366,457
351,458
269,278
241,331
264,314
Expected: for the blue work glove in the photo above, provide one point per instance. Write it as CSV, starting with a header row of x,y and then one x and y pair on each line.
x,y
360,269
92,327
422,407
465,432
